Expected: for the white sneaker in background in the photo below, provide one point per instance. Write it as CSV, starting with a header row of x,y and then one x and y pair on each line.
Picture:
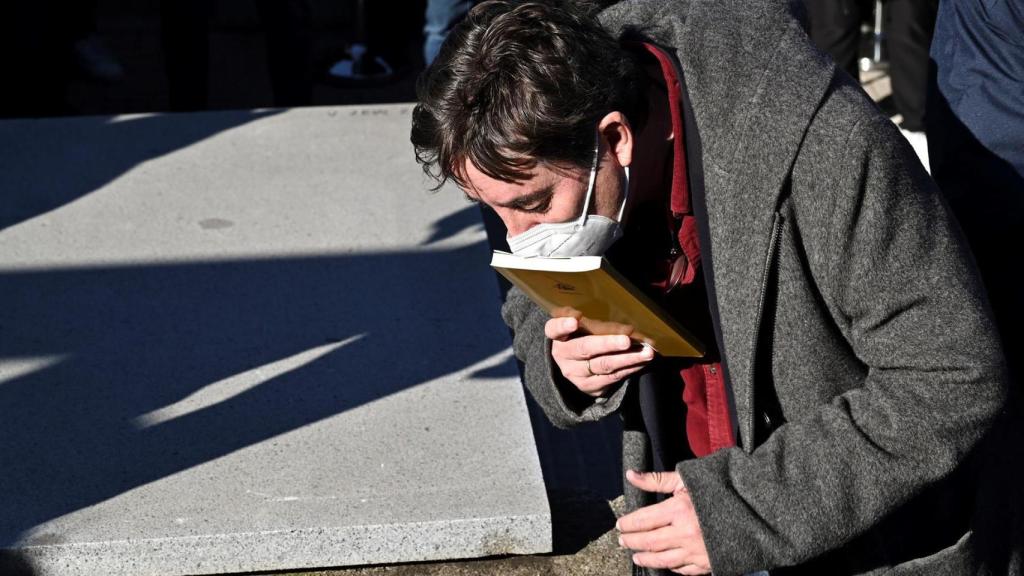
x,y
919,142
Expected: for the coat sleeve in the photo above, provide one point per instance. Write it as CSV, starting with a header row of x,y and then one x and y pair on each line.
x,y
901,286
563,403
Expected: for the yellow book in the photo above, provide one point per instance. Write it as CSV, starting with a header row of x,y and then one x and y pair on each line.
x,y
588,288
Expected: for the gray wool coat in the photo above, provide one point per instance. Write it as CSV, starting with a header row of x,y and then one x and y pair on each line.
x,y
847,299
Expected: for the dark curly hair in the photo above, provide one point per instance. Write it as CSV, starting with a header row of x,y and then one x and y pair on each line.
x,y
518,83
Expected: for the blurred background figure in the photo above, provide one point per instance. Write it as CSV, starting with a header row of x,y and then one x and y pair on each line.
x,y
375,56
976,142
44,46
125,56
441,17
836,28
90,56
384,47
185,38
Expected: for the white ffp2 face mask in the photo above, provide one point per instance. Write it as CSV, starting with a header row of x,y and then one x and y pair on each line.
x,y
588,235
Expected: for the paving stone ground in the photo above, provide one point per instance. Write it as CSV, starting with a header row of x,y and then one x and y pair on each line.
x,y
241,341
585,545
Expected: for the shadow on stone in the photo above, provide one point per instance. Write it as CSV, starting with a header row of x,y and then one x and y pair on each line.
x,y
14,564
112,347
578,519
467,219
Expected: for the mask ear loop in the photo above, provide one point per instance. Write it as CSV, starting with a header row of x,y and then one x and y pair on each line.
x,y
625,196
593,178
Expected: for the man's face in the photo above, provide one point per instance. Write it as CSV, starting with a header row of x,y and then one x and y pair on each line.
x,y
547,194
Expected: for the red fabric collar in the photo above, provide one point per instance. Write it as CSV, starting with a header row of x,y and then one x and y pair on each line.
x,y
680,201
684,269
708,420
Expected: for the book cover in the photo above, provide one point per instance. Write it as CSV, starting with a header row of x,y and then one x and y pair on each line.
x,y
591,290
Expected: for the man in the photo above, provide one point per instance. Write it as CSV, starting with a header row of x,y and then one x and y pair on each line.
x,y
835,425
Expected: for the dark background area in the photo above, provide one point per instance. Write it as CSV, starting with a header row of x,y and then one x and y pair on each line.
x,y
42,78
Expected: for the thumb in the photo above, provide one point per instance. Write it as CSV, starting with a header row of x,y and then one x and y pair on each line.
x,y
661,482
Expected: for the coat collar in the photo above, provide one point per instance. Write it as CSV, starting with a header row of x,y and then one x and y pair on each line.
x,y
753,78
755,83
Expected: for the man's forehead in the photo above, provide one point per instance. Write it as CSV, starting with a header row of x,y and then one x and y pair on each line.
x,y
479,186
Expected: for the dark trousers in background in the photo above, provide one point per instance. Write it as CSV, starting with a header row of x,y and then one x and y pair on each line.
x,y
394,31
36,43
185,37
185,40
835,29
976,142
289,29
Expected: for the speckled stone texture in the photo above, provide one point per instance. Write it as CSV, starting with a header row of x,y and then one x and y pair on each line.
x,y
249,341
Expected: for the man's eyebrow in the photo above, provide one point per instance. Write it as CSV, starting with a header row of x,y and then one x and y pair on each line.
x,y
531,198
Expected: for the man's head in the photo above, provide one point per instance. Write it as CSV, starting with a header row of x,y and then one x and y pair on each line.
x,y
512,105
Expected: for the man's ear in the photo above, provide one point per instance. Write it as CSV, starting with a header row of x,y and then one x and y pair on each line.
x,y
614,129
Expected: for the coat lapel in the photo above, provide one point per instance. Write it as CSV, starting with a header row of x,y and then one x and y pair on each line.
x,y
780,80
754,82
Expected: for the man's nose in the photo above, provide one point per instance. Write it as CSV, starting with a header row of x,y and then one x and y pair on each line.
x,y
516,224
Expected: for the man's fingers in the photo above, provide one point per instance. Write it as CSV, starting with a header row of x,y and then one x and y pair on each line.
x,y
648,518
659,540
661,482
612,363
594,363
674,558
594,376
597,385
693,570
560,329
666,534
587,347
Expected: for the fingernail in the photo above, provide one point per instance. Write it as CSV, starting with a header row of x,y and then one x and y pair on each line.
x,y
617,527
621,543
625,342
647,352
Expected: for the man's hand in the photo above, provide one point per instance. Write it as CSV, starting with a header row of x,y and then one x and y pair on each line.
x,y
665,535
593,363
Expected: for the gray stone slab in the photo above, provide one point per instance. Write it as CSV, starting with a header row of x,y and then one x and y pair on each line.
x,y
249,341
